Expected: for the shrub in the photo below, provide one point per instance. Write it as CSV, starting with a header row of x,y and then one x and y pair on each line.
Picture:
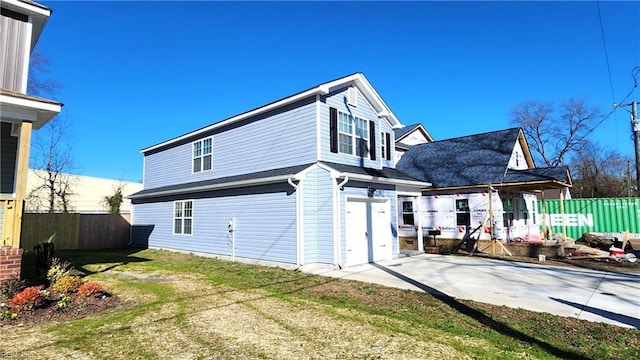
x,y
63,302
67,284
58,270
29,298
90,288
10,287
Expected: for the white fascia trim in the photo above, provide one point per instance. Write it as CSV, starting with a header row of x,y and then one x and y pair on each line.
x,y
24,109
25,8
319,90
233,184
375,179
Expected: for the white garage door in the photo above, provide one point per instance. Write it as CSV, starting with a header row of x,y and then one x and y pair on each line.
x,y
368,230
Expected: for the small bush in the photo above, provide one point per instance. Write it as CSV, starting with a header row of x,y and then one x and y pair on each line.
x,y
90,288
29,298
58,270
10,287
67,284
63,302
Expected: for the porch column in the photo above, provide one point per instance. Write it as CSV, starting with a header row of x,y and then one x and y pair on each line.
x,y
22,169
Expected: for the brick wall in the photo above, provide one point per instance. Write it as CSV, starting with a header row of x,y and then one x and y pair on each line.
x,y
10,262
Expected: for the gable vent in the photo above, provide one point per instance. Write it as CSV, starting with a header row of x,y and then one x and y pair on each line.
x,y
353,96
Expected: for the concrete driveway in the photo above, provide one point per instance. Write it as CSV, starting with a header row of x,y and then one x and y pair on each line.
x,y
585,294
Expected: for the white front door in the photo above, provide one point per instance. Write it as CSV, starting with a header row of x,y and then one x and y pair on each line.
x,y
368,231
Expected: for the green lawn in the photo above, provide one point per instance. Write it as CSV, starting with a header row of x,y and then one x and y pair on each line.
x,y
189,307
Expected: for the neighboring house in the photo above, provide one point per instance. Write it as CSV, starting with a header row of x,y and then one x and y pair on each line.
x,y
408,136
21,23
308,179
86,194
484,179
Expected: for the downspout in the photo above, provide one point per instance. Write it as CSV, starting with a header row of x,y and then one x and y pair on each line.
x,y
337,231
299,209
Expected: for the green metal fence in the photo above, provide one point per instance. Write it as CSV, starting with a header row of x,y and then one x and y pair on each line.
x,y
605,215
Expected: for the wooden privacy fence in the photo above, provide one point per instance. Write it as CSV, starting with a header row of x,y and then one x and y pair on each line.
x,y
75,231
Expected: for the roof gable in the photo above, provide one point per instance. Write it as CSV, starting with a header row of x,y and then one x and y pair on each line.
x,y
463,161
358,80
409,130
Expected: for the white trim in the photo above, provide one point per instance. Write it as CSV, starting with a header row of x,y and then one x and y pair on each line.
x,y
379,180
202,155
173,217
26,40
277,104
354,136
17,108
318,127
27,9
227,185
357,80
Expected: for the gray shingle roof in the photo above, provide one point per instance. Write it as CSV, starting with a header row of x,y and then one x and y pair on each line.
x,y
387,173
463,161
558,173
207,184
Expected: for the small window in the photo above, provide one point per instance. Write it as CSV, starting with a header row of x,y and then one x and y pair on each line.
x,y
463,215
183,217
383,149
203,155
407,213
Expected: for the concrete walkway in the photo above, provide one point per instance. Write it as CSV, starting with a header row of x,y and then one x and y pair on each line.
x,y
585,294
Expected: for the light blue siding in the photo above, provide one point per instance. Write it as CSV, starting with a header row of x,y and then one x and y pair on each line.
x,y
357,189
265,223
318,217
310,201
363,110
324,214
276,140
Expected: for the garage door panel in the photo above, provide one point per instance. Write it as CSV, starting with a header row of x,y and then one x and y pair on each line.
x,y
368,231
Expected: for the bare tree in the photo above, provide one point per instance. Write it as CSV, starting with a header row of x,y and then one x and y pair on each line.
x,y
38,83
52,155
552,135
599,172
50,148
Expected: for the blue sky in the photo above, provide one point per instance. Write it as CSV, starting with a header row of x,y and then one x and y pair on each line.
x,y
138,73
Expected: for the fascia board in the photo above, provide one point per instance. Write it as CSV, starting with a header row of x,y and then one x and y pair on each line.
x,y
227,185
320,90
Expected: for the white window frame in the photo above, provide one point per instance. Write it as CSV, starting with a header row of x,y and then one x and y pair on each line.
x,y
353,135
180,214
198,155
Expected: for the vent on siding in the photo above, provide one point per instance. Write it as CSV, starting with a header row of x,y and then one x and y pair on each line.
x,y
353,96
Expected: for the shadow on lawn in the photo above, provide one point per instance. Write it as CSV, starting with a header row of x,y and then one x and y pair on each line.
x,y
624,319
81,258
482,318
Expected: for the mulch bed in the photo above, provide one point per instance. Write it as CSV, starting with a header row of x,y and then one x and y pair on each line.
x,y
80,307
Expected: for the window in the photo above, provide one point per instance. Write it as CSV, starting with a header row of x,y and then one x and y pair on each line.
x,y
202,155
507,214
463,215
353,133
407,213
385,145
183,217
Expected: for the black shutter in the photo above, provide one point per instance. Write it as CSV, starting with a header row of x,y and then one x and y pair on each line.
x,y
388,143
333,129
372,140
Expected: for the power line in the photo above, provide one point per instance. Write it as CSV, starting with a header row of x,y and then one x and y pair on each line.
x,y
606,53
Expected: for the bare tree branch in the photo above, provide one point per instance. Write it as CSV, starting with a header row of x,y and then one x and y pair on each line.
x,y
552,135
